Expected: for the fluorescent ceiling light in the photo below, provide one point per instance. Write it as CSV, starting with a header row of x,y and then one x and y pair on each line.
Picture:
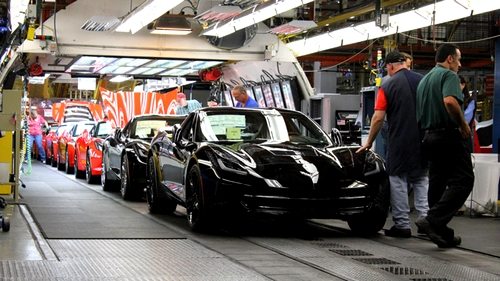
x,y
295,26
146,13
253,15
218,13
137,66
446,10
120,78
168,31
38,79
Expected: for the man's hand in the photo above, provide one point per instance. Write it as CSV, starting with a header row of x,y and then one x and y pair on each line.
x,y
364,148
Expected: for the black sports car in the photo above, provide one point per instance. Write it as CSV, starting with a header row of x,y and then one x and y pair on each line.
x,y
124,154
272,161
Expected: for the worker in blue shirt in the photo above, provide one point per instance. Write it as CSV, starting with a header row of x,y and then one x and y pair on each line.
x,y
243,99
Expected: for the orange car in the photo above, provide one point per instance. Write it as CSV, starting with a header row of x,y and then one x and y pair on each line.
x,y
66,145
75,111
88,152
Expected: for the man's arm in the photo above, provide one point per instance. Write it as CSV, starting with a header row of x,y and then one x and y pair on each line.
x,y
375,126
455,113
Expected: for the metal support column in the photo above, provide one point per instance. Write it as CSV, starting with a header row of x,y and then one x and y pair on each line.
x,y
496,99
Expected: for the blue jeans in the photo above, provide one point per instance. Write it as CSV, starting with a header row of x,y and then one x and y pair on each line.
x,y
38,141
400,185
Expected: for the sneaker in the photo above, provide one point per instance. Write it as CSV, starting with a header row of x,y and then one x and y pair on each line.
x,y
398,232
428,229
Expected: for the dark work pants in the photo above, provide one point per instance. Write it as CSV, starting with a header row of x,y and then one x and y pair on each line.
x,y
451,175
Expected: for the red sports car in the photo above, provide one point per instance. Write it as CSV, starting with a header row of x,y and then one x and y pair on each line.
x,y
66,145
47,139
53,143
88,152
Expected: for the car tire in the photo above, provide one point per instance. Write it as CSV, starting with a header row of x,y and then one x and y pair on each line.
x,y
126,187
78,174
67,168
197,213
107,184
88,170
157,204
60,166
53,161
373,219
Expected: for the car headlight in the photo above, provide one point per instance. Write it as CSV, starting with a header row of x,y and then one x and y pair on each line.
x,y
231,166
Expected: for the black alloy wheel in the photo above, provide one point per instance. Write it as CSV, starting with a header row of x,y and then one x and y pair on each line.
x,y
157,204
197,215
373,219
107,185
88,169
126,188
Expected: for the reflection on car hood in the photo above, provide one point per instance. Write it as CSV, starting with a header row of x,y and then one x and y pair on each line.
x,y
288,162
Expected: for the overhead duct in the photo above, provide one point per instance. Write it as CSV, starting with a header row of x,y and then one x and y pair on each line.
x,y
234,40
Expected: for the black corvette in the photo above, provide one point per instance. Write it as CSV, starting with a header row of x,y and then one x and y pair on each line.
x,y
271,161
124,154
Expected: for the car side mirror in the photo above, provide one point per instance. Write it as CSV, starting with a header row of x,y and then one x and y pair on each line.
x,y
336,137
112,142
176,132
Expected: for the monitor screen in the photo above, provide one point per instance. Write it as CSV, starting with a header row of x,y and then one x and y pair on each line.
x,y
278,98
259,96
268,95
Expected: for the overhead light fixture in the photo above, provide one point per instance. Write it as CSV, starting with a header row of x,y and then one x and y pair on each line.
x,y
444,11
100,23
146,13
120,78
171,25
219,13
253,15
295,26
136,66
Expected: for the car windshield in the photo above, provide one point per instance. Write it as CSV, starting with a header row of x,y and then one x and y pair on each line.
x,y
104,129
148,128
82,127
251,126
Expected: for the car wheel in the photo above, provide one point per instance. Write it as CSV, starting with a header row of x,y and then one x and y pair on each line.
x,y
67,168
78,174
197,215
156,203
373,219
88,170
5,224
126,188
60,166
53,161
107,185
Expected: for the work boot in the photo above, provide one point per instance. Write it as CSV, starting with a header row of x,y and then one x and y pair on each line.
x,y
425,226
398,232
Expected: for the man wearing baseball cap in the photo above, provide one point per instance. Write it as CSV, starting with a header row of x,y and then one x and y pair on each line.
x,y
185,106
397,98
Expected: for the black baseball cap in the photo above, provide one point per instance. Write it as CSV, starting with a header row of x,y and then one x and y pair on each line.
x,y
393,57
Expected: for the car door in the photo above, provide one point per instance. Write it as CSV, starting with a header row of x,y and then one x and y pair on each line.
x,y
175,157
115,148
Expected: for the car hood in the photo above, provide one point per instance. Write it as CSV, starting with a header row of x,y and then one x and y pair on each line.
x,y
292,164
